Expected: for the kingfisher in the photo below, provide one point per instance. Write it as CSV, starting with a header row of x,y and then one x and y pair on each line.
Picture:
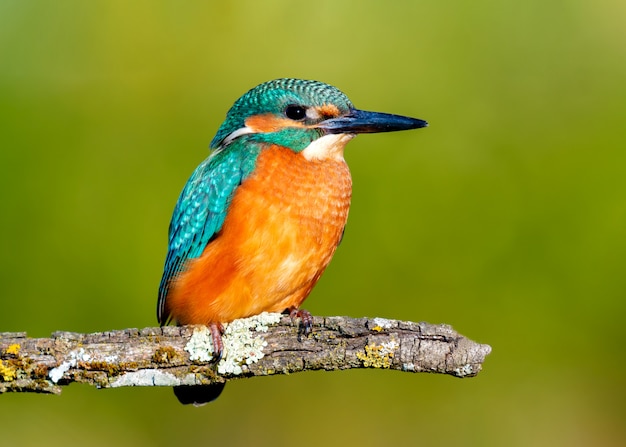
x,y
259,220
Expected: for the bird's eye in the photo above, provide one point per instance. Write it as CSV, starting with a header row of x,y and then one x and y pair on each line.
x,y
295,112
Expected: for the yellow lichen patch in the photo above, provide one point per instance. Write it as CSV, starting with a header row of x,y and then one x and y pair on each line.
x,y
165,355
107,367
111,369
7,372
13,349
378,356
377,328
40,371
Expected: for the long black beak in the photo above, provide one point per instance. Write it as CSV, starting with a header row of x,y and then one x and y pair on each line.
x,y
361,121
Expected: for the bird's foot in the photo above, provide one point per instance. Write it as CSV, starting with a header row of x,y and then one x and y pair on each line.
x,y
199,395
306,320
217,330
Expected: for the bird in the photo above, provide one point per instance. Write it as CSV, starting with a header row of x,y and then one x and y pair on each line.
x,y
258,221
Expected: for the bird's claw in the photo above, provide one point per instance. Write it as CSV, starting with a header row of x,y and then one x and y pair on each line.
x,y
306,320
217,330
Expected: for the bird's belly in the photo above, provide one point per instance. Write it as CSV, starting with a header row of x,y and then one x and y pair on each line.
x,y
281,231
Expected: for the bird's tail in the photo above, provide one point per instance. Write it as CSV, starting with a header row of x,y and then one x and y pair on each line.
x,y
198,395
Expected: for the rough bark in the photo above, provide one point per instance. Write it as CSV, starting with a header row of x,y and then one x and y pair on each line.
x,y
265,345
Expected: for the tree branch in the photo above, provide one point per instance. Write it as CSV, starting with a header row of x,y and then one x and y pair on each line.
x,y
266,344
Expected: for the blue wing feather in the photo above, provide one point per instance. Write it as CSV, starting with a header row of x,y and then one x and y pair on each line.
x,y
200,211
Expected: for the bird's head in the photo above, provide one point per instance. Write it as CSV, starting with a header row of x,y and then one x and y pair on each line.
x,y
295,113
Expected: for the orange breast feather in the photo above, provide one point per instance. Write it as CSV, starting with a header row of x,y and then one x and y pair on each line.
x,y
282,229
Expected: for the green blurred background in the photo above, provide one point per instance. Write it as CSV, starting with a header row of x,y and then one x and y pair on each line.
x,y
506,218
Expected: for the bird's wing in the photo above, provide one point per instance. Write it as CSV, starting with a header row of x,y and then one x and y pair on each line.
x,y
199,215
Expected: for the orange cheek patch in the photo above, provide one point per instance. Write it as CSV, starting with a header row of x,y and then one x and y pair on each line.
x,y
328,111
270,123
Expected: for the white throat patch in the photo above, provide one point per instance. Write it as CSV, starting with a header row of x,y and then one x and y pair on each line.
x,y
327,147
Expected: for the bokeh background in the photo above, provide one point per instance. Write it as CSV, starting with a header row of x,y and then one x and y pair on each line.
x,y
506,218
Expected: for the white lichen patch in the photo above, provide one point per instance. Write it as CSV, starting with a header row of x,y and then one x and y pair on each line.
x,y
409,367
241,345
465,370
200,345
146,377
80,355
389,347
383,322
57,373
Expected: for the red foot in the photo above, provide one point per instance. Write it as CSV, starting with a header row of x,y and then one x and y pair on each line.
x,y
218,346
306,319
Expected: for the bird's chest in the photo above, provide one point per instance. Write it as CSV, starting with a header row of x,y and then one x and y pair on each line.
x,y
288,216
